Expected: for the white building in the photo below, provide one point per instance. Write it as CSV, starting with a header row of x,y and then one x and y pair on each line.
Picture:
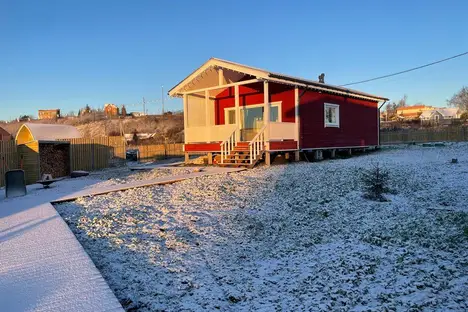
x,y
440,115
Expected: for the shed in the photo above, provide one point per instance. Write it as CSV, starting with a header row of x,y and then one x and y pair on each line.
x,y
42,149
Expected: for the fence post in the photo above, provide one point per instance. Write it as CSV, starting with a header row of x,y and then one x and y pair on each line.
x,y
92,153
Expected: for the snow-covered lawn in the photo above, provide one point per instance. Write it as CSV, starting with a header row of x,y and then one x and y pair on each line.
x,y
113,176
297,237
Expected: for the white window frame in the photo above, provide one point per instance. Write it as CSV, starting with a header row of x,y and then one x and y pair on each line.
x,y
331,124
277,103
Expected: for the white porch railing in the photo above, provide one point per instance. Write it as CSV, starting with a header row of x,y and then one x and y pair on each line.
x,y
257,145
228,145
282,131
205,134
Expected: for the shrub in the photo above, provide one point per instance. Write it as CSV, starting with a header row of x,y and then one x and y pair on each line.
x,y
375,181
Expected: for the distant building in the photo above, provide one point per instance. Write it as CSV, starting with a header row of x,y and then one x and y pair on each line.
x,y
412,112
440,116
111,110
137,114
49,113
4,135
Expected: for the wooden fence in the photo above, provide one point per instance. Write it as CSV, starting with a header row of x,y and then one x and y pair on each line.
x,y
157,151
8,158
452,134
97,153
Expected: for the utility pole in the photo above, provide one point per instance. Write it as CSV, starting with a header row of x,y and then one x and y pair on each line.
x,y
144,106
162,99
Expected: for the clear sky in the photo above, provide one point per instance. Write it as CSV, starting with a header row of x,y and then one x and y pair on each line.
x,y
66,53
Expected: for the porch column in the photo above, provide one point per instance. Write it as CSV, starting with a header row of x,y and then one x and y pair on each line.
x,y
185,117
296,114
207,108
266,111
237,106
220,77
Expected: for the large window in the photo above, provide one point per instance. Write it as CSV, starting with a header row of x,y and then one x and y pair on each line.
x,y
332,115
252,115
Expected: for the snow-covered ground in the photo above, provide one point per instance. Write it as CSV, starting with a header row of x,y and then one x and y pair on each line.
x,y
114,176
297,237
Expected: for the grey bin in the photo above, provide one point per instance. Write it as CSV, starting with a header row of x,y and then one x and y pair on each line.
x,y
15,183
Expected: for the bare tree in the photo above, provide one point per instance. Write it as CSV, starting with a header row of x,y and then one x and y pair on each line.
x,y
460,99
392,107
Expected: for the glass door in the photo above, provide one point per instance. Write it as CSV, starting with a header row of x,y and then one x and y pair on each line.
x,y
252,120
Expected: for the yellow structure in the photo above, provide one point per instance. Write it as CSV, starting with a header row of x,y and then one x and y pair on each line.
x,y
412,112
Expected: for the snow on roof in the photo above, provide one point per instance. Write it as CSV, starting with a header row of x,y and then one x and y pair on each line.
x,y
427,114
445,112
448,112
49,132
178,89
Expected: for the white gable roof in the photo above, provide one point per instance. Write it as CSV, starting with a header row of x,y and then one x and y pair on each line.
x,y
448,112
49,132
444,112
238,71
427,114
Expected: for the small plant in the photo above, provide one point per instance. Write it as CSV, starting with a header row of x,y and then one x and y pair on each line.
x,y
376,181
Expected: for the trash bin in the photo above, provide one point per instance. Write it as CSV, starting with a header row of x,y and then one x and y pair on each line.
x,y
15,183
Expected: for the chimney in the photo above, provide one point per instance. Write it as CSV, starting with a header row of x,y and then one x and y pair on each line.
x,y
321,78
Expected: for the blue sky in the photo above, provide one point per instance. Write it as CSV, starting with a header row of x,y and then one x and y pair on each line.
x,y
66,54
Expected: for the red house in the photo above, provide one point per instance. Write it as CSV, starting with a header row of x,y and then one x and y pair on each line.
x,y
244,114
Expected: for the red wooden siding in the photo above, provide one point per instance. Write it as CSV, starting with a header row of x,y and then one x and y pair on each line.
x,y
253,94
202,147
283,145
358,122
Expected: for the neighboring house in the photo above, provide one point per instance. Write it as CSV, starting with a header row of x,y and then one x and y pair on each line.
x,y
137,114
4,135
232,108
111,110
441,116
412,112
49,113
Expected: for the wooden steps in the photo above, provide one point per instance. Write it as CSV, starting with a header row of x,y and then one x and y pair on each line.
x,y
240,157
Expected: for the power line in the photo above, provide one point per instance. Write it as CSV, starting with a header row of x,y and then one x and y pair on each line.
x,y
406,71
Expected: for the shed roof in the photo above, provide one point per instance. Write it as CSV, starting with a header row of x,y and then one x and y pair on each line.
x,y
48,132
265,75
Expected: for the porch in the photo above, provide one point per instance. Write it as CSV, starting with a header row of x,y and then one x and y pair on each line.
x,y
241,121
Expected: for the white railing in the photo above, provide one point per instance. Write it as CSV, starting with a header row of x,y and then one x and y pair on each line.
x,y
257,145
228,145
282,131
206,134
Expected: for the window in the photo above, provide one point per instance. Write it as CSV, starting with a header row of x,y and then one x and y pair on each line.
x,y
332,115
231,117
252,114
